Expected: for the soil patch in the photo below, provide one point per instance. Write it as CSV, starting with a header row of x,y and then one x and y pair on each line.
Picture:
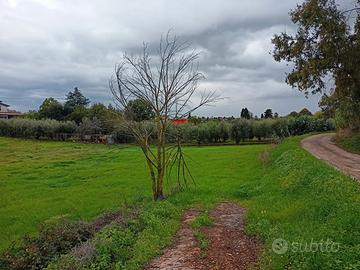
x,y
230,248
322,147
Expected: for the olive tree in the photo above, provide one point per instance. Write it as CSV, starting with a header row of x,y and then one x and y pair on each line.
x,y
241,130
167,81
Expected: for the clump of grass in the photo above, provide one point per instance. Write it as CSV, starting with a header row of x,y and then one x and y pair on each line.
x,y
265,156
350,142
202,220
202,240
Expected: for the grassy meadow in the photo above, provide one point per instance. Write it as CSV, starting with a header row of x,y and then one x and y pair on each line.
x,y
46,180
289,195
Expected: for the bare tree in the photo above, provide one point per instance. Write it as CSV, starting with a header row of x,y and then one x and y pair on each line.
x,y
168,85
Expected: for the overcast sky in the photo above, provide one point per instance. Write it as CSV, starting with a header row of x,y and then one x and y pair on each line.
x,y
47,47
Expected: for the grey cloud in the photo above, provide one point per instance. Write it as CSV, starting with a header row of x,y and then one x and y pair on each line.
x,y
49,46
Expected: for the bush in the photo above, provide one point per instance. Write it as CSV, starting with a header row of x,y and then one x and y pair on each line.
x,y
113,245
121,135
281,128
348,115
53,240
301,125
262,129
223,131
88,126
35,129
241,130
127,246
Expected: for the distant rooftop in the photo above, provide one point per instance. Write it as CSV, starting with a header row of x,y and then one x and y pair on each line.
x,y
6,105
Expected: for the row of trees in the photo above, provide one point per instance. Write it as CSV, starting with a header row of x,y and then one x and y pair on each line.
x,y
93,119
243,129
237,130
213,131
76,108
36,129
82,119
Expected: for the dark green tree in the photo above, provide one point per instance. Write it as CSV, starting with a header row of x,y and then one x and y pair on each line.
x,y
325,44
223,131
245,113
268,113
305,112
329,104
241,130
139,110
78,113
107,117
51,109
293,114
74,99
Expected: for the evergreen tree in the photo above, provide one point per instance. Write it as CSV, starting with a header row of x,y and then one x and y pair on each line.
x,y
74,99
245,113
268,113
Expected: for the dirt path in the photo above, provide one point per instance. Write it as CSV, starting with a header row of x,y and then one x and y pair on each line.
x,y
322,147
183,253
229,247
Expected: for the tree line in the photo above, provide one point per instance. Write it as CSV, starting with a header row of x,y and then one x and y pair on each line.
x,y
197,130
77,118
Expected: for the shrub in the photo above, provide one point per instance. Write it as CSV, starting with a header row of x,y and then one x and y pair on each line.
x,y
241,130
280,127
53,240
88,126
348,115
121,135
113,245
202,131
262,129
223,131
36,129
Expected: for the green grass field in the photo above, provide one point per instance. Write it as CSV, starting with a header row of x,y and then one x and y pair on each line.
x,y
45,180
293,196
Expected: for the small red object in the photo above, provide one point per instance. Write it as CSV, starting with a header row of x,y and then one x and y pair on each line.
x,y
179,121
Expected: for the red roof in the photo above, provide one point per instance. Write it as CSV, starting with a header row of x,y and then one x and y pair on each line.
x,y
180,121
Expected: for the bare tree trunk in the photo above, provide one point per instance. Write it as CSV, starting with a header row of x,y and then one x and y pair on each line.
x,y
160,157
152,174
153,182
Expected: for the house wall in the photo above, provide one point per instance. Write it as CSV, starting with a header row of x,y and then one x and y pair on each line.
x,y
3,108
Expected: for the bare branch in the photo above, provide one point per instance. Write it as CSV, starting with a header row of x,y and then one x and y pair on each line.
x,y
167,84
